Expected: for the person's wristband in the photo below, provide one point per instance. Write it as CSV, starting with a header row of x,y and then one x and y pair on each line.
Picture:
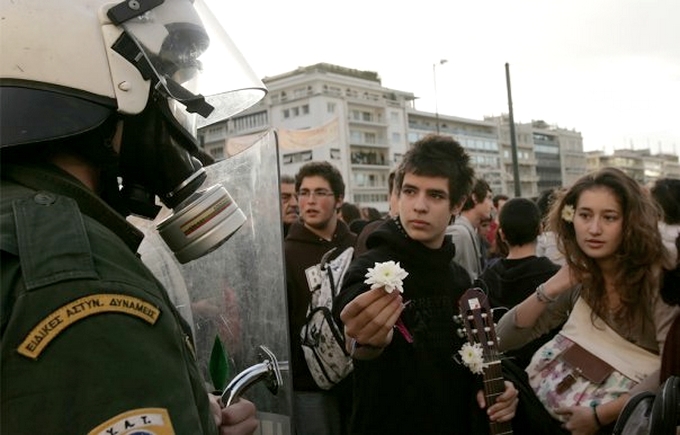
x,y
356,345
593,406
542,297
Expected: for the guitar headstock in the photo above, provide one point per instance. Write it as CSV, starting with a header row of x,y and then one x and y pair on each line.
x,y
477,319
476,316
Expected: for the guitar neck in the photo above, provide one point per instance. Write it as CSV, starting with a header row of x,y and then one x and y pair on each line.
x,y
476,315
494,386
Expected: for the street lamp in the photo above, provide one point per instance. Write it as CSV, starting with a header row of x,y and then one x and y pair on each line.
x,y
434,79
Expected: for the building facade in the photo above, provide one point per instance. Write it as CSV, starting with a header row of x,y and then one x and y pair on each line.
x,y
345,116
641,165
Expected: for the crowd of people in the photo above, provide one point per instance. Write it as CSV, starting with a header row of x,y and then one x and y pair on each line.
x,y
573,276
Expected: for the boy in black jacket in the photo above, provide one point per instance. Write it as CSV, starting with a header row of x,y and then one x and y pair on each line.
x,y
510,280
406,379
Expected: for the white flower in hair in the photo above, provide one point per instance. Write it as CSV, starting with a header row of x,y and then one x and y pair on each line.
x,y
473,357
388,275
568,213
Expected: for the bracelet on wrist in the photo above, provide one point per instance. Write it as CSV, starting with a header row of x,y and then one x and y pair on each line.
x,y
593,406
542,297
356,345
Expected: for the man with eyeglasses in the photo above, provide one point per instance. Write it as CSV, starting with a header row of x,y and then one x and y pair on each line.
x,y
320,190
290,211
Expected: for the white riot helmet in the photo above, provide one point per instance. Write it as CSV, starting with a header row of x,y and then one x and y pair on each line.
x,y
68,66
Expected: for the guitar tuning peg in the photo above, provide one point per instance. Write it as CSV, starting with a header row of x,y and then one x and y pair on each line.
x,y
458,318
460,332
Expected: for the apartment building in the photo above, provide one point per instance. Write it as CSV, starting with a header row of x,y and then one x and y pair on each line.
x,y
346,116
639,164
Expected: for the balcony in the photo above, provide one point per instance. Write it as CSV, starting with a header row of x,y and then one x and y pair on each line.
x,y
377,144
368,159
372,122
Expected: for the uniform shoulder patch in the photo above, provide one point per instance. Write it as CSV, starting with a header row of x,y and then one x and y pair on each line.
x,y
143,421
51,326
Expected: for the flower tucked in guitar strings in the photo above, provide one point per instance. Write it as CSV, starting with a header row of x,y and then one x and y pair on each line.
x,y
473,358
388,275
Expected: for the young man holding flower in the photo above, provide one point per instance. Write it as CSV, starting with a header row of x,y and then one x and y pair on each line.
x,y
406,380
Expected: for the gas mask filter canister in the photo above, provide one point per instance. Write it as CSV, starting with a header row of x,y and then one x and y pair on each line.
x,y
209,219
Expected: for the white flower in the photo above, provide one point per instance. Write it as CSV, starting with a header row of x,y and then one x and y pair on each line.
x,y
388,275
568,213
473,358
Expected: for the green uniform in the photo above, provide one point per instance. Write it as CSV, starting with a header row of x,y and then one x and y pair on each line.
x,y
90,342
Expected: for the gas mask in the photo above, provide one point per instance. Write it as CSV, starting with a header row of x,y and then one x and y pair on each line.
x,y
172,47
155,64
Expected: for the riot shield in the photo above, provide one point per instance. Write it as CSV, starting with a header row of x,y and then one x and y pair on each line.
x,y
236,293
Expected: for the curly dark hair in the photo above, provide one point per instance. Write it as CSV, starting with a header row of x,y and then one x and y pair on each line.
x,y
324,170
666,192
439,156
639,258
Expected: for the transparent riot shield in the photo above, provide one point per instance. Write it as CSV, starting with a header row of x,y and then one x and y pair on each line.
x,y
235,297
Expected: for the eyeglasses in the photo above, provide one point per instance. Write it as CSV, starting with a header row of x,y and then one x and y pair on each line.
x,y
318,193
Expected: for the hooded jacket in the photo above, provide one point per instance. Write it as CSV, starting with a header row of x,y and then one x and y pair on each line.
x,y
414,386
509,282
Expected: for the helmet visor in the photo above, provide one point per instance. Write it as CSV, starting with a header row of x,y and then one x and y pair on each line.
x,y
194,62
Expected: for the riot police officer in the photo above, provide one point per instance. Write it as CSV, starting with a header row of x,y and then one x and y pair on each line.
x,y
96,110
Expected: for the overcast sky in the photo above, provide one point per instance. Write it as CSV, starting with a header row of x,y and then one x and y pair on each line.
x,y
607,68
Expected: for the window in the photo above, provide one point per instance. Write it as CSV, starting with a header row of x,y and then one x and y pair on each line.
x,y
370,197
330,107
286,113
396,138
303,156
305,109
216,130
216,152
335,154
250,121
295,111
300,92
368,179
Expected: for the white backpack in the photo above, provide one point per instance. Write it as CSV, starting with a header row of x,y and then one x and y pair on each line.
x,y
323,341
